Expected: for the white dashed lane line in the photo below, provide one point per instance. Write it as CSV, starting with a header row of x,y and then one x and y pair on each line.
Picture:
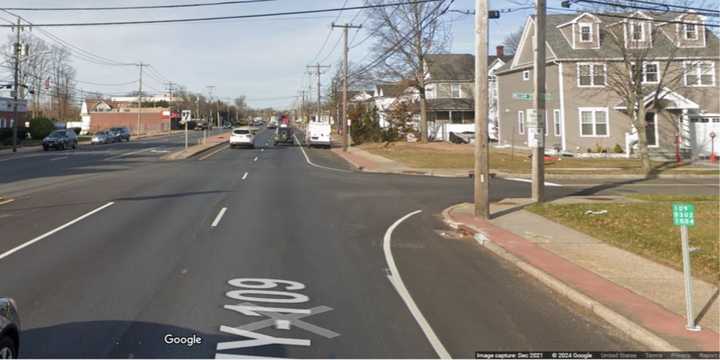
x,y
245,176
60,158
218,217
530,181
255,159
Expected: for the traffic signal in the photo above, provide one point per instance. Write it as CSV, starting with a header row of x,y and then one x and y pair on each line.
x,y
493,14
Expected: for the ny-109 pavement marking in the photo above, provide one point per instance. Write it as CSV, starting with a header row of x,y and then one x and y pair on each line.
x,y
53,231
281,318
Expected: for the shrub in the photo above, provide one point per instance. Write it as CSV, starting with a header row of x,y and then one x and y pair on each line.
x,y
366,128
6,135
618,149
589,150
40,127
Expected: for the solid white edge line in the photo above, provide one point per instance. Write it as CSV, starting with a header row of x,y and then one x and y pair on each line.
x,y
530,181
219,217
213,153
312,163
245,176
397,282
20,247
60,158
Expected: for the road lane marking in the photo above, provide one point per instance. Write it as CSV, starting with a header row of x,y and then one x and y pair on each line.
x,y
60,158
397,282
245,176
129,153
53,231
530,181
219,217
263,149
222,148
312,163
255,159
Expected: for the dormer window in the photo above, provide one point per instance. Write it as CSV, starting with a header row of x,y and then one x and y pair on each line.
x,y
637,32
585,32
690,32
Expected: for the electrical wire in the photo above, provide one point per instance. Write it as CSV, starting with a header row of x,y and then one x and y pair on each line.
x,y
249,16
618,16
138,7
638,7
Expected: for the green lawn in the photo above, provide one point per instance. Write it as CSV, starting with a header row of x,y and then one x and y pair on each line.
x,y
453,156
646,228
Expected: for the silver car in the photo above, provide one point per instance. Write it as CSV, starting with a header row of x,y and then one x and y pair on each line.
x,y
9,329
102,137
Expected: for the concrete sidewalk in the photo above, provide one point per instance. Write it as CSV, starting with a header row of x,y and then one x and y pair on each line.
x,y
642,298
367,162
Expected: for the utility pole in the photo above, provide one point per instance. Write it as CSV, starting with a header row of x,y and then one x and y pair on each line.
x,y
318,71
481,179
17,49
538,133
345,126
139,117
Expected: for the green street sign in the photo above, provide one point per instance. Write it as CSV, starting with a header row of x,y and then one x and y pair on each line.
x,y
528,96
683,214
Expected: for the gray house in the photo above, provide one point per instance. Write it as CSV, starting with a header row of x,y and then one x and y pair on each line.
x,y
583,111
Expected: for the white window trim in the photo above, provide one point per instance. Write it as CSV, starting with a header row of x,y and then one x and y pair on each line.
x,y
580,27
557,126
594,122
460,92
642,31
685,32
592,74
521,122
657,135
698,72
526,75
644,73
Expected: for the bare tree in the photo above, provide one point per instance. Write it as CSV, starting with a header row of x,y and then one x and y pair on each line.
x,y
512,41
404,36
638,79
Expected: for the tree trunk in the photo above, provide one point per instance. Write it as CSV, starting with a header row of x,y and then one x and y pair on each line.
x,y
642,142
423,117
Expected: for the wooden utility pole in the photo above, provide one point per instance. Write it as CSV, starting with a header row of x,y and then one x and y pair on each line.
x,y
318,71
345,125
481,177
17,51
140,89
537,143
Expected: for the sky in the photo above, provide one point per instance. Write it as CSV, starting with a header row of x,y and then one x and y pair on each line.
x,y
262,59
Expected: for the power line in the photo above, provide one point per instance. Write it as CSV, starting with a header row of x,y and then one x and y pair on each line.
x,y
101,84
612,15
139,7
182,20
632,6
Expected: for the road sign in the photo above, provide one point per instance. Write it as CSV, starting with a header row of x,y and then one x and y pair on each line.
x,y
186,116
528,96
683,214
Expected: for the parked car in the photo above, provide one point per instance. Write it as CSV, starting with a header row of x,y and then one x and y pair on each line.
x,y
318,134
201,125
102,137
242,136
60,140
9,329
120,133
272,124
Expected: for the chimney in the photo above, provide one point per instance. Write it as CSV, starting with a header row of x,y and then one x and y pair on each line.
x,y
500,51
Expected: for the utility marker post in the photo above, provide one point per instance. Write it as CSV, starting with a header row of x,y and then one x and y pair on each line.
x,y
140,89
481,177
345,121
536,117
17,52
684,216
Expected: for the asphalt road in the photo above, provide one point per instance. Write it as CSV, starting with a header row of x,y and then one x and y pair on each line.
x,y
108,264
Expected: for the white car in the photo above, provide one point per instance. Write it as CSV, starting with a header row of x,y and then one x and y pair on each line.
x,y
243,136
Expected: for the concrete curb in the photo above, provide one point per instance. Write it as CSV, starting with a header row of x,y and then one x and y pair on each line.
x,y
623,324
192,151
